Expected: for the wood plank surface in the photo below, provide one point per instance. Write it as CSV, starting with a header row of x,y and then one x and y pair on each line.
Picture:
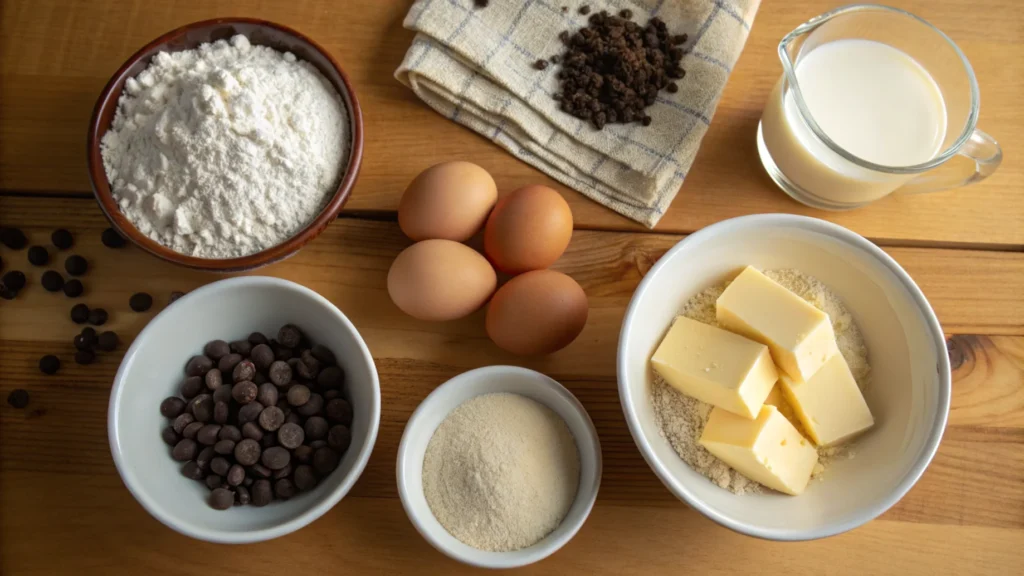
x,y
63,507
56,55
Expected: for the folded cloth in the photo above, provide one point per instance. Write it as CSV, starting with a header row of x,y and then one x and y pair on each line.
x,y
475,66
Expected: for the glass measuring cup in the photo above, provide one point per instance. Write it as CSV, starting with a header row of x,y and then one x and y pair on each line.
x,y
812,168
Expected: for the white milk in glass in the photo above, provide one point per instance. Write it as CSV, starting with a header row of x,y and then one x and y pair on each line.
x,y
872,100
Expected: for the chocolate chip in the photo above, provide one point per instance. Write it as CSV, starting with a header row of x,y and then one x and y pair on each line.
x,y
298,395
262,493
192,471
262,356
325,461
339,411
224,447
18,398
332,394
230,432
221,412
481,3
260,471
198,366
275,458
13,238
86,339
227,363
62,239
584,10
79,313
97,316
331,377
312,407
207,435
243,371
323,354
303,454
49,364
672,88
271,418
316,428
184,450
205,457
284,489
339,437
84,357
14,280
304,478
247,452
169,436
191,430
244,392
75,265
266,394
289,336
191,387
235,475
73,288
111,239
6,293
172,407
214,379
250,412
216,349
242,496
540,64
202,407
214,481
182,421
222,394
52,281
257,338
627,14
282,473
107,341
291,435
38,256
222,499
252,430
242,347
280,373
140,302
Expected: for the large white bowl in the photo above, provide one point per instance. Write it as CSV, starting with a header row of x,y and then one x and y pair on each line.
x,y
153,368
436,407
909,392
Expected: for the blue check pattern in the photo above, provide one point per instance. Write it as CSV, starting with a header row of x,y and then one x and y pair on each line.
x,y
475,66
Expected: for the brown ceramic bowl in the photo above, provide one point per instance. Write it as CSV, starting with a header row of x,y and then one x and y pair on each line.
x,y
188,37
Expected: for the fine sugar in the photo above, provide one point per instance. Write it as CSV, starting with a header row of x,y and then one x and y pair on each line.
x,y
501,472
681,418
225,150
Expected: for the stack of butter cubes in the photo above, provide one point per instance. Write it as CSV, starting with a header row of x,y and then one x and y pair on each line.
x,y
771,348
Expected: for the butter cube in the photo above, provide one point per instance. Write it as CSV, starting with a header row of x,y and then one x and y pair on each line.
x,y
778,399
799,335
716,366
769,449
829,405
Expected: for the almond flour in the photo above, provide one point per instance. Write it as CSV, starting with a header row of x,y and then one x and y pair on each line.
x,y
681,418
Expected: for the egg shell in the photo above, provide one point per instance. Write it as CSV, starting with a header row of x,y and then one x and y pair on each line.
x,y
537,313
450,201
528,230
440,280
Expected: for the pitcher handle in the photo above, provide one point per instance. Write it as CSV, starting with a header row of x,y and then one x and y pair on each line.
x,y
980,148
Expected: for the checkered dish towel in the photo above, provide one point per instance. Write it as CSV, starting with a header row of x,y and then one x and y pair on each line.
x,y
475,66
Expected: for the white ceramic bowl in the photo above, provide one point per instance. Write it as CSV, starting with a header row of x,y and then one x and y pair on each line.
x,y
153,369
909,393
436,407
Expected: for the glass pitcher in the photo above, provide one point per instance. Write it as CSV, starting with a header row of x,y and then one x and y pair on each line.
x,y
814,169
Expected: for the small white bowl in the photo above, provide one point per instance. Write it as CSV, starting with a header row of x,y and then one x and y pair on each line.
x,y
909,392
153,368
436,407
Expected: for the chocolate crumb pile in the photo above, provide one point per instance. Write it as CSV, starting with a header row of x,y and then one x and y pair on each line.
x,y
613,69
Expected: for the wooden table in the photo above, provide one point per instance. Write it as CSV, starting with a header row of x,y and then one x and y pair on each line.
x,y
63,508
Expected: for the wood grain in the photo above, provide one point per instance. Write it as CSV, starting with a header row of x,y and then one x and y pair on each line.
x,y
55,56
60,492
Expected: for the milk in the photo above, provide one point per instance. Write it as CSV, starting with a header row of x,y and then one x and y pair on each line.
x,y
872,100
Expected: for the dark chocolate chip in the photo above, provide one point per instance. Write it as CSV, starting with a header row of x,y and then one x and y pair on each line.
x,y
73,288
52,281
75,265
49,364
216,349
79,313
18,398
62,239
107,341
111,239
222,499
84,357
38,256
97,316
140,302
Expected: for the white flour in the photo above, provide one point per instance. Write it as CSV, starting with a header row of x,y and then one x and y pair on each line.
x,y
225,150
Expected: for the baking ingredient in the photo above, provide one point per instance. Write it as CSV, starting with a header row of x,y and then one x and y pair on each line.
x,y
73,288
13,238
767,449
98,316
716,366
52,281
49,364
14,280
449,201
75,265
140,302
62,239
80,313
829,404
528,229
112,239
38,256
107,341
18,398
225,150
84,357
230,439
501,472
681,418
440,280
538,312
799,335
613,69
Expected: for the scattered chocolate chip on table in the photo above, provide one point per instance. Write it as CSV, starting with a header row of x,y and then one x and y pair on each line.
x,y
38,256
62,239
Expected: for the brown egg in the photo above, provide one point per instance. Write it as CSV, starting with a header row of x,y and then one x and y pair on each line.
x,y
440,280
536,313
528,230
449,201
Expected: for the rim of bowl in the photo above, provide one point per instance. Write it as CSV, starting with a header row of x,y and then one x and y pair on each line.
x,y
849,522
101,186
303,519
547,545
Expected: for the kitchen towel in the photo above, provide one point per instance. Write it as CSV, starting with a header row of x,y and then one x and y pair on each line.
x,y
474,65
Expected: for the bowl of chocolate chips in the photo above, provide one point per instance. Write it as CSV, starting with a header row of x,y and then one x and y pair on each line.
x,y
244,411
